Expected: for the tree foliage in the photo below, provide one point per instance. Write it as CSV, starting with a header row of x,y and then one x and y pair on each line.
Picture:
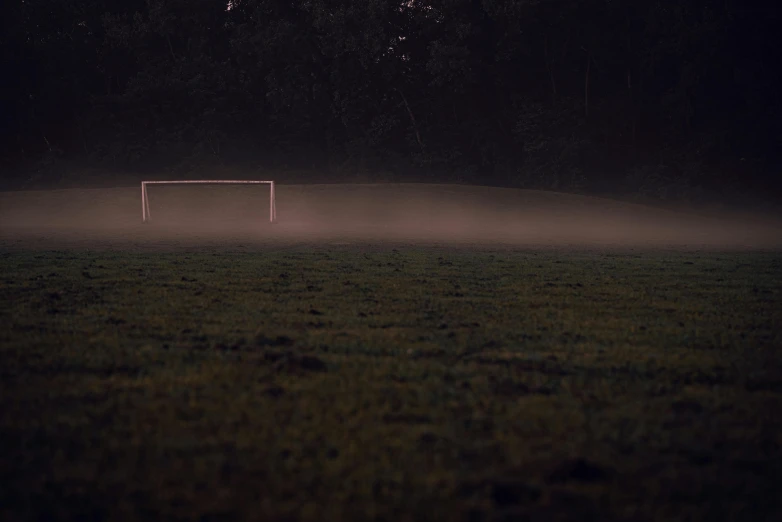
x,y
650,95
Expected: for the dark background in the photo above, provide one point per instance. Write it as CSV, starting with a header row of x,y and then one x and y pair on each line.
x,y
667,100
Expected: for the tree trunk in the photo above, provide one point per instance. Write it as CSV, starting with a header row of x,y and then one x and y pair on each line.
x,y
586,86
633,117
170,47
46,140
549,56
630,93
412,120
83,139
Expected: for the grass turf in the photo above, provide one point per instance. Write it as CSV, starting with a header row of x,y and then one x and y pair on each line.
x,y
360,382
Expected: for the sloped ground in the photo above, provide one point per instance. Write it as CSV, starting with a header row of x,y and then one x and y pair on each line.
x,y
398,212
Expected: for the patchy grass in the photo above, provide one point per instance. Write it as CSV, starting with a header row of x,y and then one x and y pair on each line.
x,y
359,382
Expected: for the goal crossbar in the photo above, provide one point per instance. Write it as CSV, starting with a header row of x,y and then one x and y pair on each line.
x,y
146,216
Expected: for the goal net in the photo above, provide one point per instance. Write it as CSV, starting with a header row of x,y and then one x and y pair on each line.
x,y
145,212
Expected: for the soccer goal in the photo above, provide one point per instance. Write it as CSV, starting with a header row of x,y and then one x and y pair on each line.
x,y
146,216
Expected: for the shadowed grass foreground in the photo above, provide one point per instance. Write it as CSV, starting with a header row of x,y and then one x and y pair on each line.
x,y
334,383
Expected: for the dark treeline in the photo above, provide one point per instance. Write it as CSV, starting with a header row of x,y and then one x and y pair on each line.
x,y
667,98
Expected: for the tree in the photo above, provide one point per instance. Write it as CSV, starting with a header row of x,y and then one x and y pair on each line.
x,y
566,94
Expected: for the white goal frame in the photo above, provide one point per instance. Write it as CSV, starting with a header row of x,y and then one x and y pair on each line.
x,y
146,216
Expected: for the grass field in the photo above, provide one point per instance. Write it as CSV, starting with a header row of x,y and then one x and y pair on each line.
x,y
172,374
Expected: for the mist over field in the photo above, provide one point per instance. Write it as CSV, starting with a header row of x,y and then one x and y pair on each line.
x,y
375,213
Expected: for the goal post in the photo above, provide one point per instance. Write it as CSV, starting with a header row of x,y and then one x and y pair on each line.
x,y
146,216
